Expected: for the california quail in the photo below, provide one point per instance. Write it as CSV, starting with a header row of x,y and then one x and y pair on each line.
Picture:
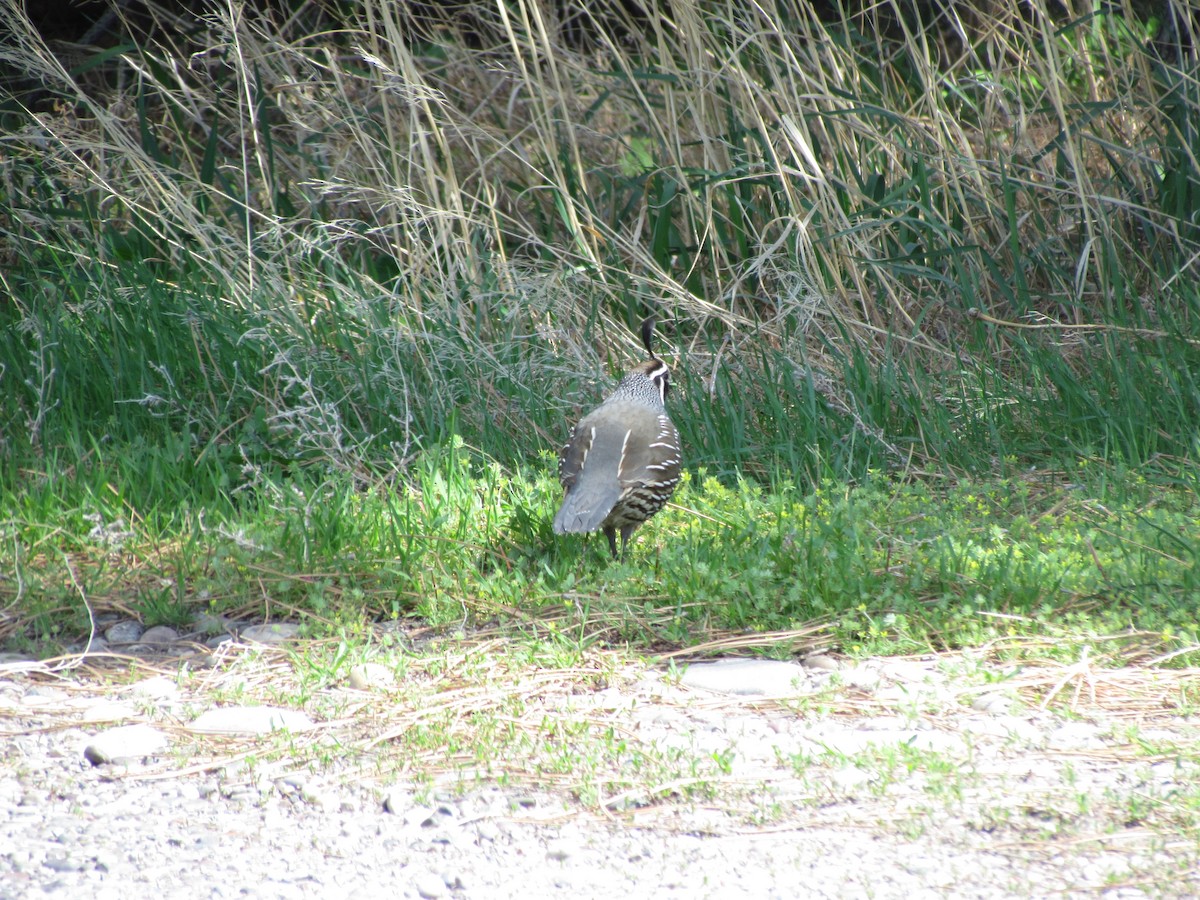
x,y
621,463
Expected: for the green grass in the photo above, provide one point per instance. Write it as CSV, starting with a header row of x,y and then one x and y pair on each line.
x,y
306,352
1099,556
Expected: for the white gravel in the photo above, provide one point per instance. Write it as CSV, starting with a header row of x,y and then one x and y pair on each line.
x,y
894,785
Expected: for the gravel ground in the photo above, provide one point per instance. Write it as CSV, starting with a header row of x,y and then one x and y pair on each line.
x,y
888,779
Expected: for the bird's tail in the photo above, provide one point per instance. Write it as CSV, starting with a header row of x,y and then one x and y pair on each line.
x,y
584,510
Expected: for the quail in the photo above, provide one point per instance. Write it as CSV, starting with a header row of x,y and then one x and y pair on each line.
x,y
622,461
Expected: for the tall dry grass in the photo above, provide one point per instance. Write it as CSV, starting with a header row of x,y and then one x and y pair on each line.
x,y
844,189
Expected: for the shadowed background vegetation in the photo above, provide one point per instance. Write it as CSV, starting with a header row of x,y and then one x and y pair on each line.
x,y
340,276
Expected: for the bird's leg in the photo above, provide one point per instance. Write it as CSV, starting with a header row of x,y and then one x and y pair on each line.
x,y
626,534
611,534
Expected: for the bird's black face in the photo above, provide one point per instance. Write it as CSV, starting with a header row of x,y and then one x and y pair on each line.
x,y
661,376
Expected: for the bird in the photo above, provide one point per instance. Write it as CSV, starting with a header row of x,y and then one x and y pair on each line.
x,y
622,461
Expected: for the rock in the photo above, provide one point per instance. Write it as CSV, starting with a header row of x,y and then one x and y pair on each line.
x,y
453,880
250,720
366,676
397,801
992,703
159,634
274,633
320,799
561,850
443,815
17,660
107,711
124,632
748,677
241,793
63,864
207,623
293,781
43,696
821,663
158,688
429,886
96,645
863,679
904,670
1075,736
124,742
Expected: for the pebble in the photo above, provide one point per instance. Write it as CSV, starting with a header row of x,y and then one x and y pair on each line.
x,y
320,799
366,676
124,742
250,720
748,677
860,677
97,645
124,632
63,864
561,850
16,660
397,801
45,695
821,663
159,634
158,688
293,781
107,711
992,703
904,670
429,886
274,633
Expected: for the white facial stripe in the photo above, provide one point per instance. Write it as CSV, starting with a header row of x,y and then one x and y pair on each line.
x,y
660,377
661,370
